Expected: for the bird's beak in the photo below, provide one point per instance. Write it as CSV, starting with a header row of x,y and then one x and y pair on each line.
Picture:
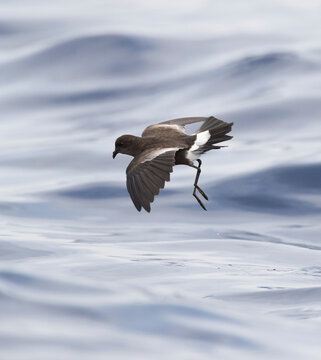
x,y
114,154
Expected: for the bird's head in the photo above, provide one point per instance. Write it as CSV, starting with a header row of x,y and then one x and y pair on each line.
x,y
126,144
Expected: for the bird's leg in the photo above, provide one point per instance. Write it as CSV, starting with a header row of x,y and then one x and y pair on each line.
x,y
197,177
198,168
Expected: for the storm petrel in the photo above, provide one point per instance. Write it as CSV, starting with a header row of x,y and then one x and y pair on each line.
x,y
162,146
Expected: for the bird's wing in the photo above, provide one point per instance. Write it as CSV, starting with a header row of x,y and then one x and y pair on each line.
x,y
175,124
147,173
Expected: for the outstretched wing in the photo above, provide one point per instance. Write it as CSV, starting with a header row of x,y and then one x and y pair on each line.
x,y
183,121
147,173
177,125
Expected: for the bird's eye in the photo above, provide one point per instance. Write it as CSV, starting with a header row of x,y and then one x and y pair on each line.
x,y
120,144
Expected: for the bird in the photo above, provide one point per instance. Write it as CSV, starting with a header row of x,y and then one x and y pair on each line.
x,y
161,147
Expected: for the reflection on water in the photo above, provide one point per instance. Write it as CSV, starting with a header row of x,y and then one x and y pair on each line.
x,y
81,272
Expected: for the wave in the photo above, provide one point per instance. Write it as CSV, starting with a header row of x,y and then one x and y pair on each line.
x,y
98,191
281,190
84,272
123,56
288,297
86,56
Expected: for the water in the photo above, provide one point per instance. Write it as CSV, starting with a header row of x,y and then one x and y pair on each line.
x,y
82,274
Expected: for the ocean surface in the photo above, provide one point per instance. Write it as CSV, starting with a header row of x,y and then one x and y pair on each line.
x,y
83,275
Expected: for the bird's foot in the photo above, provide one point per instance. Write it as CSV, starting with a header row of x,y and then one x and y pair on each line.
x,y
201,192
199,201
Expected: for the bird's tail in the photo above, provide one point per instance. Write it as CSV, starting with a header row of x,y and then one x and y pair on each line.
x,y
218,131
212,131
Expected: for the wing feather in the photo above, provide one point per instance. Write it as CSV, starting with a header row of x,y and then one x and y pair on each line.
x,y
161,173
147,175
150,183
132,192
177,125
184,121
145,187
141,193
159,181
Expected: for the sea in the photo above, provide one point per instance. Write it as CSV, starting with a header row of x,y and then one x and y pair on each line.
x,y
83,274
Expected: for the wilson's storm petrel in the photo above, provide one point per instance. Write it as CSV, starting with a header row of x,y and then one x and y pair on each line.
x,y
162,146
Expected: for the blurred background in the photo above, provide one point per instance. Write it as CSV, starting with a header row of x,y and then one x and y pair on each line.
x,y
83,275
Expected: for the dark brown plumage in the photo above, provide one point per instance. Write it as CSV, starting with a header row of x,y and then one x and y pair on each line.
x,y
162,146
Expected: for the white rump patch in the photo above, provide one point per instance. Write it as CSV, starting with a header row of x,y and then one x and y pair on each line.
x,y
201,139
158,152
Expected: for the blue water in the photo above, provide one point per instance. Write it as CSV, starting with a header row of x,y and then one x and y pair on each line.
x,y
83,275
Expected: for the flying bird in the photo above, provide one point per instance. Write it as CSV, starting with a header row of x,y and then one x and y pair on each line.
x,y
164,145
